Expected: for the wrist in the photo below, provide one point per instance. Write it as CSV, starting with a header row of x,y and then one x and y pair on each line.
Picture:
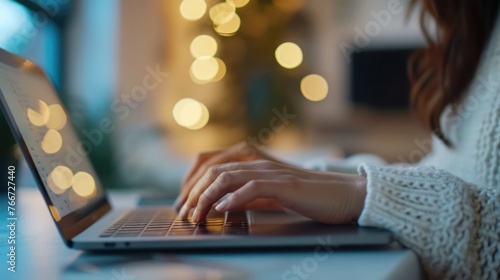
x,y
360,184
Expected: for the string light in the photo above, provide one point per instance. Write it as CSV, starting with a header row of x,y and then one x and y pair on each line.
x,y
222,70
203,45
314,87
193,10
41,116
57,117
222,13
205,68
238,3
191,113
203,120
60,179
84,184
229,28
51,142
289,55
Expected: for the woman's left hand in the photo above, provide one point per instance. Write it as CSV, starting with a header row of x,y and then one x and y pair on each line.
x,y
322,196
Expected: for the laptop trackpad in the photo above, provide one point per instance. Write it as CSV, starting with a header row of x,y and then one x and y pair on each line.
x,y
271,223
263,217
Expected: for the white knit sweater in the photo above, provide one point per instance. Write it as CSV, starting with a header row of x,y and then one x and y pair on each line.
x,y
447,207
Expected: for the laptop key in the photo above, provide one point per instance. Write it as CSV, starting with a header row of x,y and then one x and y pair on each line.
x,y
236,232
154,233
133,226
236,217
183,226
181,232
157,227
126,234
130,229
211,230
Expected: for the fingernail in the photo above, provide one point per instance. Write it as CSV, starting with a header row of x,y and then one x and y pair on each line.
x,y
222,206
183,212
194,218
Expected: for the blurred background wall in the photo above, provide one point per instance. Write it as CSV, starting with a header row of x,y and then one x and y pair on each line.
x,y
176,77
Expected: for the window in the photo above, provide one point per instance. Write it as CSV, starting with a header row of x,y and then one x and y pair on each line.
x,y
29,29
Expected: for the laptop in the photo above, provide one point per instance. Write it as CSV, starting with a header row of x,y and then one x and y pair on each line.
x,y
82,213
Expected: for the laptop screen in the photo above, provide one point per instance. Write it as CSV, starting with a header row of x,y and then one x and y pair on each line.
x,y
54,148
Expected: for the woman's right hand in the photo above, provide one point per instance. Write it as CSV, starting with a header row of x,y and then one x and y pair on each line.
x,y
237,153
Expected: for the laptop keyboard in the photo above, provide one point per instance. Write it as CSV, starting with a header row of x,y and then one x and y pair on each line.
x,y
164,222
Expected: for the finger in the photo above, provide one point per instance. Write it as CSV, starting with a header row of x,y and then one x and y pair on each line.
x,y
221,157
209,171
215,171
260,204
200,159
225,183
280,191
240,152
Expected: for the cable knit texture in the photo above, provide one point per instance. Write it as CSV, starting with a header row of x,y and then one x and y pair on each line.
x,y
447,207
452,225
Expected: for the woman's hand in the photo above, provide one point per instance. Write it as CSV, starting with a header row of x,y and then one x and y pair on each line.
x,y
322,196
237,153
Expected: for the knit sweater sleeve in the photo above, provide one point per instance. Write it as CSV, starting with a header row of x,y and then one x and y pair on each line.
x,y
452,225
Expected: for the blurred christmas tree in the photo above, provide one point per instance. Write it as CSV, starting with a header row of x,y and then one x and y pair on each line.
x,y
255,49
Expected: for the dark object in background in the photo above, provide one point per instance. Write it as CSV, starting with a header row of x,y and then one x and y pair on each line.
x,y
379,79
7,149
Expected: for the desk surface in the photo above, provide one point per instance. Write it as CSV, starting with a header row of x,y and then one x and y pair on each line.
x,y
41,254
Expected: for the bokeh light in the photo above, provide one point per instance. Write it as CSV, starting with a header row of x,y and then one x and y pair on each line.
x,y
222,13
203,120
203,45
222,70
51,142
205,68
53,186
289,55
238,3
193,9
40,116
230,27
221,73
314,87
191,113
76,200
84,185
57,117
187,112
60,179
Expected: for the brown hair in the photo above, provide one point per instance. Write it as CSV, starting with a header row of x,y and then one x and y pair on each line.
x,y
442,71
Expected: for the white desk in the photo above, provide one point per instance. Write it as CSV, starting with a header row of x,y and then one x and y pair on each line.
x,y
41,254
